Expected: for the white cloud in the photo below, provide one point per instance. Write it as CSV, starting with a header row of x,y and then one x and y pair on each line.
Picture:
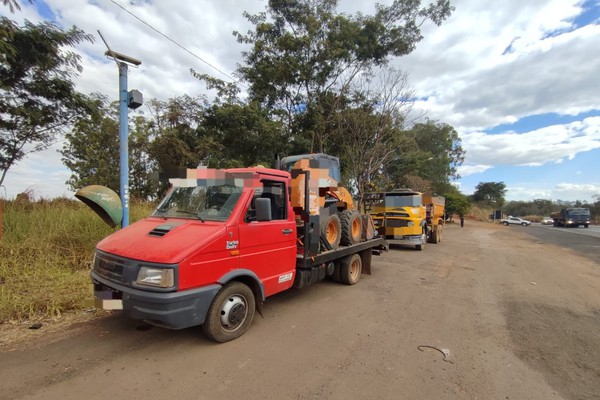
x,y
469,81
467,169
550,144
560,191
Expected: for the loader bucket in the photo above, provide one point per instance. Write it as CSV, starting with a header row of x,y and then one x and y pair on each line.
x,y
104,201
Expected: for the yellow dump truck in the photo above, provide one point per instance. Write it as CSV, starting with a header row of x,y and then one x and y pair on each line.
x,y
407,217
435,210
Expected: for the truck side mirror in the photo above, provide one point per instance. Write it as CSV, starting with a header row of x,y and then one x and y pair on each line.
x,y
263,209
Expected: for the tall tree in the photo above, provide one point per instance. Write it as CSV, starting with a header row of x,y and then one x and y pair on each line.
x,y
490,193
13,5
245,134
91,147
457,203
304,49
91,151
37,94
174,126
368,132
434,158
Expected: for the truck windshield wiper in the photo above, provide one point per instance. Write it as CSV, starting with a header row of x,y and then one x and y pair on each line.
x,y
191,213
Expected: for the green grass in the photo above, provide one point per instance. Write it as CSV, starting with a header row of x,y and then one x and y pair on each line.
x,y
45,256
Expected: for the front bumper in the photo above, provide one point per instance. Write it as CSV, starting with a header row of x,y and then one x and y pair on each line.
x,y
173,310
406,239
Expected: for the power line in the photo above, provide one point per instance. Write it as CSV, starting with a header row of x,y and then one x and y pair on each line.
x,y
171,40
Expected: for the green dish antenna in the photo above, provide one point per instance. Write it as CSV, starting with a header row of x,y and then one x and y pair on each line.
x,y
104,201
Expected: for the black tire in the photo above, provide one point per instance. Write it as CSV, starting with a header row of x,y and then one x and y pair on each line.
x,y
585,225
230,314
420,247
336,273
350,269
505,223
435,235
524,223
351,227
331,230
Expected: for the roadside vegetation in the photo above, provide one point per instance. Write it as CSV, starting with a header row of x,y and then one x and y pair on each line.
x,y
45,255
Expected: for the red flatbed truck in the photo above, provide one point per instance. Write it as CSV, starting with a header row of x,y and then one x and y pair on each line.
x,y
217,245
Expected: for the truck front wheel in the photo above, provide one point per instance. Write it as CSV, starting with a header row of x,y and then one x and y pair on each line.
x,y
230,314
350,269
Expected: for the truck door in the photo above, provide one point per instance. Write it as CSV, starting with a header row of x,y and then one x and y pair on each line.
x,y
268,248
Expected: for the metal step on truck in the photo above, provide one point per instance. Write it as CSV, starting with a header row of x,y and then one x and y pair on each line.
x,y
222,241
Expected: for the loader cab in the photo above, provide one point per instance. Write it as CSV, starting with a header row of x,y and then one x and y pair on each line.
x,y
316,161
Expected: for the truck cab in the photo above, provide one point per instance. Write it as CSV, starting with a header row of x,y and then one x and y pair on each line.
x,y
217,245
399,216
572,217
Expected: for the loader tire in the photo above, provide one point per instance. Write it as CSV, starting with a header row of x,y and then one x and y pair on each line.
x,y
331,231
351,227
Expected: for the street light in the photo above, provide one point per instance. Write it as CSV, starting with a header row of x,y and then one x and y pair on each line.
x,y
127,100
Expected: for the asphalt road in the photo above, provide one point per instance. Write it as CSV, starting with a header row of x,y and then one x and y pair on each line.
x,y
491,312
583,241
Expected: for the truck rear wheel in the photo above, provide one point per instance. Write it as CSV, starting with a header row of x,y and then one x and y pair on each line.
x,y
436,234
350,269
336,273
230,314
351,222
331,230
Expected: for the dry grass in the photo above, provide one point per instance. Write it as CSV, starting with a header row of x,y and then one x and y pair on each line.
x,y
45,255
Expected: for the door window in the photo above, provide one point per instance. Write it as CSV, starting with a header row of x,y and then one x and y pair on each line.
x,y
275,191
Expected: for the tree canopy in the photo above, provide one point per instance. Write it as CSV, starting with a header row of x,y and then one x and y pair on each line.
x,y
490,194
37,95
305,54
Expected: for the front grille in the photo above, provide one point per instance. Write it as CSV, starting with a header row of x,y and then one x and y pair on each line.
x,y
110,268
396,223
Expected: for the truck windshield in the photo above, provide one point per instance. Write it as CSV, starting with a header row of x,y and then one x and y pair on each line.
x,y
396,200
578,212
213,203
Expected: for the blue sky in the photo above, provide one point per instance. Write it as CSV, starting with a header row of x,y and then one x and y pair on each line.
x,y
518,81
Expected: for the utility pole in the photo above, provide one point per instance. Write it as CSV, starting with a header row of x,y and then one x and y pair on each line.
x,y
127,100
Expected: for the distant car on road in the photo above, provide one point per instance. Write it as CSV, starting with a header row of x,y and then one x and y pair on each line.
x,y
515,221
547,221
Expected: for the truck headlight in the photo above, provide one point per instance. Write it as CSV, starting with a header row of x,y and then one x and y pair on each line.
x,y
410,223
157,277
